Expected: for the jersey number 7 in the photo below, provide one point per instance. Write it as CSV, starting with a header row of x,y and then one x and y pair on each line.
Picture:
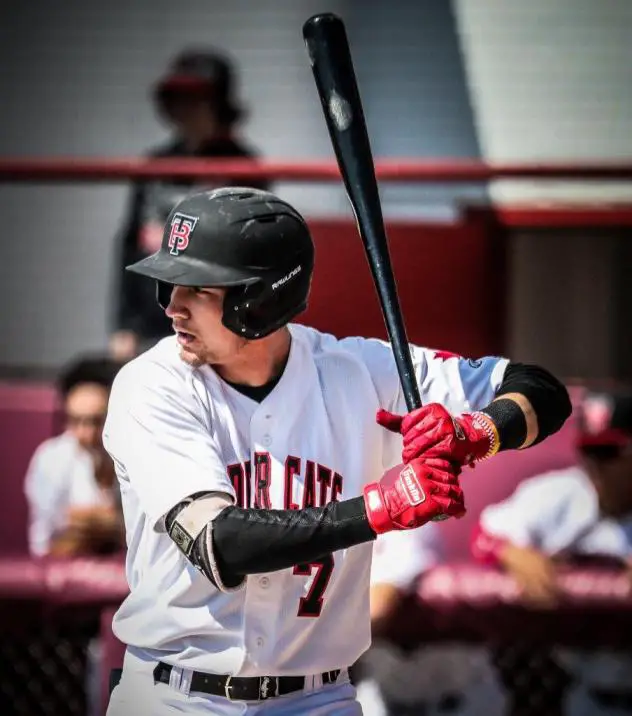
x,y
312,603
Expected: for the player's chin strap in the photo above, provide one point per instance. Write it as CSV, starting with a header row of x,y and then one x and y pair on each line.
x,y
189,524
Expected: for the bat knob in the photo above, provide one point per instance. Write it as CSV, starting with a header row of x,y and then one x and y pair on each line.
x,y
321,25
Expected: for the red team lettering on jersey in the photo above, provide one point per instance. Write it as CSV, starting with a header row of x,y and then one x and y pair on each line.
x,y
321,484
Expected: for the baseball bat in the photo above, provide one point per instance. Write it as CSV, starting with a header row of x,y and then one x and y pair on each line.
x,y
330,57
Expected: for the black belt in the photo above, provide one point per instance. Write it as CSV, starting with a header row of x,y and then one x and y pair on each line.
x,y
241,688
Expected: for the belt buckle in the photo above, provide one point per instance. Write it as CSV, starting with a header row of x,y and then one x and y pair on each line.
x,y
264,687
228,687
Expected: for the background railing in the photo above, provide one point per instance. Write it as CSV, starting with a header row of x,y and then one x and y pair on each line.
x,y
405,170
52,612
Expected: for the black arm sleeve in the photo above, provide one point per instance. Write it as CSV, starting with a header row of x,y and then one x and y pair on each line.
x,y
242,541
250,541
548,396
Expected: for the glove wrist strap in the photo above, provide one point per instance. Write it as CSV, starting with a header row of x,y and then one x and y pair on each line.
x,y
376,511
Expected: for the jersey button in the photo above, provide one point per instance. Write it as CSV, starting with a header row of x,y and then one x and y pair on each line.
x,y
260,641
266,441
264,582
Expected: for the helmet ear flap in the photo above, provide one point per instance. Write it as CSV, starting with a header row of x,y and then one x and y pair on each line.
x,y
258,309
237,301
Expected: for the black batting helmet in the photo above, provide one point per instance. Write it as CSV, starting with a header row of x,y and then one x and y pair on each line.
x,y
247,240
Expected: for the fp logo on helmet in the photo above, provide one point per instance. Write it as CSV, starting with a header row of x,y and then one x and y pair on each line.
x,y
181,229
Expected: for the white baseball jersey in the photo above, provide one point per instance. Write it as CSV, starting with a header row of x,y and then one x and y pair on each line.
x,y
174,430
555,512
60,476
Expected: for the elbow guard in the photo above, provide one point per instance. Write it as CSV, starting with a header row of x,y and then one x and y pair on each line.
x,y
190,526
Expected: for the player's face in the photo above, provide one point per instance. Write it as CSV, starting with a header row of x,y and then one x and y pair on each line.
x,y
86,407
191,114
611,475
196,315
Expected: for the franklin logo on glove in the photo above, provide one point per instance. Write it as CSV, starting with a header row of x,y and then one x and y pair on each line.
x,y
413,489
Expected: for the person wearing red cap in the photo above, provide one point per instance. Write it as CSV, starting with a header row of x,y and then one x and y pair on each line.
x,y
196,98
578,514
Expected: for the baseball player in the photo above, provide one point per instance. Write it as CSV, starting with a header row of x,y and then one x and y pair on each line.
x,y
383,676
255,477
431,679
197,100
582,513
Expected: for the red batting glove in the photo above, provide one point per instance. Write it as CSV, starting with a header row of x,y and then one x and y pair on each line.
x,y
432,432
409,496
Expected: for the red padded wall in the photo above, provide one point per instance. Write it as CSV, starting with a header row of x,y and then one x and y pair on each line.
x,y
449,277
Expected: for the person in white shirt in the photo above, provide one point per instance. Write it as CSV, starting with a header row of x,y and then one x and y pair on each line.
x,y
70,484
576,515
255,477
399,562
428,679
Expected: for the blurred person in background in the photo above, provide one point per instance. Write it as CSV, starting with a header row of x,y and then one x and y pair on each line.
x,y
399,562
70,484
196,99
576,516
431,679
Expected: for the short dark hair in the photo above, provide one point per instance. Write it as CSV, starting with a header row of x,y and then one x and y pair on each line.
x,y
97,369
